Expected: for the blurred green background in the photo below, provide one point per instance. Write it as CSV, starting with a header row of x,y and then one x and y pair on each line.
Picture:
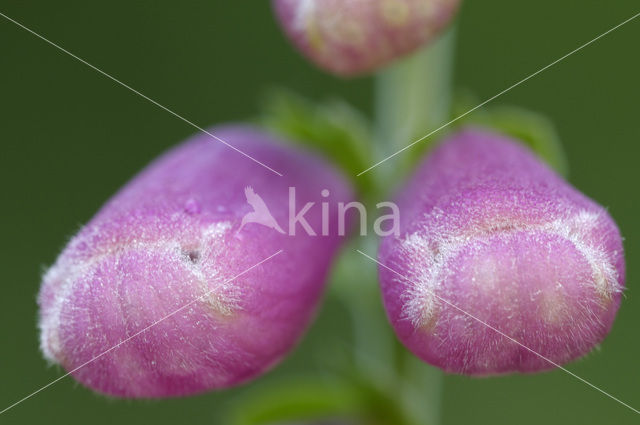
x,y
70,138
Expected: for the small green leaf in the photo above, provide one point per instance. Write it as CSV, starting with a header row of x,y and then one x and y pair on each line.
x,y
350,399
297,399
332,128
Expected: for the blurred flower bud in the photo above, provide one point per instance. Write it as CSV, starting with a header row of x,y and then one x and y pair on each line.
x,y
348,37
489,229
173,238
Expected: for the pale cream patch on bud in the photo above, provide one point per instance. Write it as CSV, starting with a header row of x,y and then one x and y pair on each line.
x,y
213,288
488,281
314,37
394,12
305,22
485,274
425,9
304,13
345,30
326,26
553,306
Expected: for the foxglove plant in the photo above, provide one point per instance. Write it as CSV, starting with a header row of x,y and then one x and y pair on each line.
x,y
348,37
499,266
171,238
493,240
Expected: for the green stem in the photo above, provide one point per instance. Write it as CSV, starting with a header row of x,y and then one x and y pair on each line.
x,y
413,98
355,282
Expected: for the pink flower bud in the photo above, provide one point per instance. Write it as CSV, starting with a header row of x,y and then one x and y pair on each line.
x,y
490,234
172,238
350,37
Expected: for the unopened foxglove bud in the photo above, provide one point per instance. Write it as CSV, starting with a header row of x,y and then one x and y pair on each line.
x,y
494,245
200,227
349,37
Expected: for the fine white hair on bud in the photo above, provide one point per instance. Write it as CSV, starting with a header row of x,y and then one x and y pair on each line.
x,y
492,239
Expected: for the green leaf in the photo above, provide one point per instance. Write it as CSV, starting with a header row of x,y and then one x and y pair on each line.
x,y
332,128
297,399
351,399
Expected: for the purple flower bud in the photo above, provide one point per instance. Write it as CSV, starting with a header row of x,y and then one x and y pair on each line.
x,y
489,231
350,37
172,238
